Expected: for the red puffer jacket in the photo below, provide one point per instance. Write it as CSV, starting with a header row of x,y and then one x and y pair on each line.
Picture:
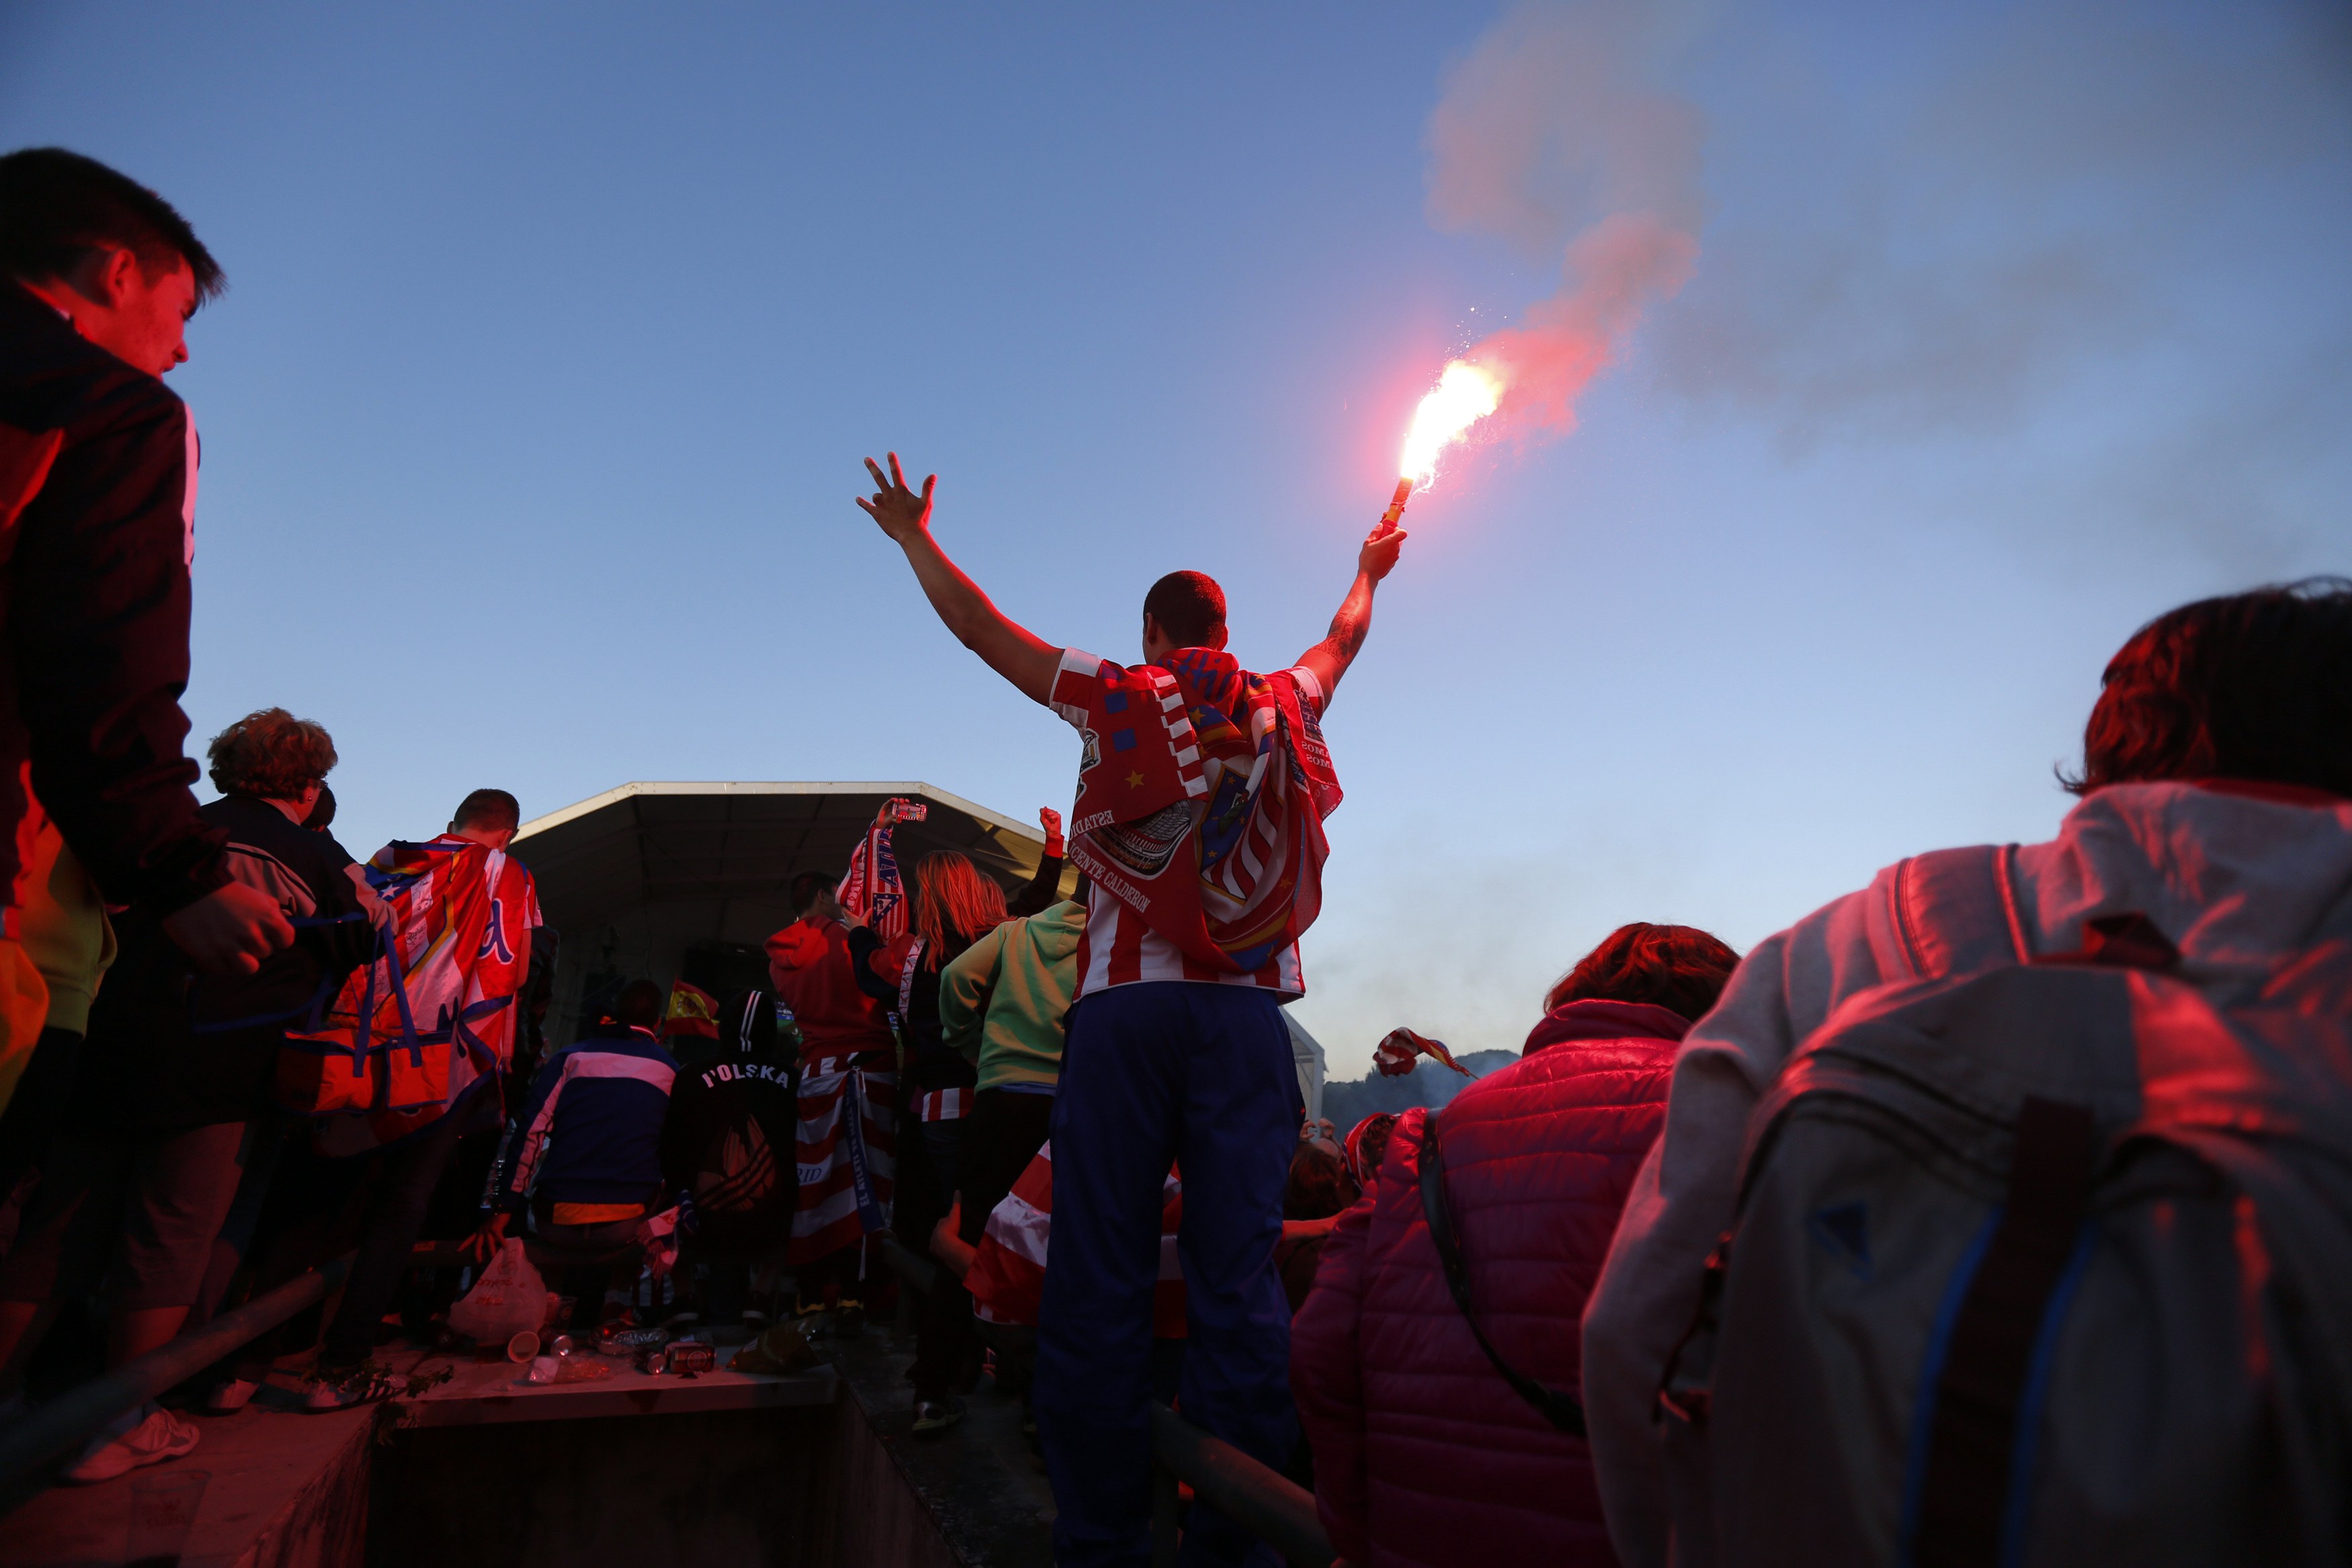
x,y
1422,1454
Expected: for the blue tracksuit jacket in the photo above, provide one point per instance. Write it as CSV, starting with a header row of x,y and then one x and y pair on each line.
x,y
590,1128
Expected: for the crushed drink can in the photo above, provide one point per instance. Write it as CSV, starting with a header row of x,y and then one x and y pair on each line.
x,y
686,1357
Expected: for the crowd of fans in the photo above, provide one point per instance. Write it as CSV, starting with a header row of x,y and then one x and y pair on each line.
x,y
1516,1321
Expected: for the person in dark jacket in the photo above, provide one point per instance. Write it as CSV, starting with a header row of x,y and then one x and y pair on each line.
x,y
98,487
173,1083
1420,1444
727,1148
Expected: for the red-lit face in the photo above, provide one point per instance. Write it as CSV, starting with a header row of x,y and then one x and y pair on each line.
x,y
138,319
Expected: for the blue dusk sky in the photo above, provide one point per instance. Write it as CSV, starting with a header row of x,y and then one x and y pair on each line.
x,y
533,416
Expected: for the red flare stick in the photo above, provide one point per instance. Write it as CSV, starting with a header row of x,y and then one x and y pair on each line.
x,y
1395,513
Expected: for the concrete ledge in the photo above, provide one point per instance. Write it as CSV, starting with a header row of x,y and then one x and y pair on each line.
x,y
818,1468
487,1394
286,1491
715,1489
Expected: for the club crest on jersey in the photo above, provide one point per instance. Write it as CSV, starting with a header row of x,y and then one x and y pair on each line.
x,y
493,938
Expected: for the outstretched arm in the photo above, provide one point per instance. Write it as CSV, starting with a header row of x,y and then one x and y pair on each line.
x,y
1010,649
1330,658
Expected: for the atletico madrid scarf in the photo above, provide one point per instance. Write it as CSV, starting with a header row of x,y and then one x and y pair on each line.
x,y
873,894
1200,802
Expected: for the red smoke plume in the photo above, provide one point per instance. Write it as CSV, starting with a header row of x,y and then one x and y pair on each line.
x,y
1549,128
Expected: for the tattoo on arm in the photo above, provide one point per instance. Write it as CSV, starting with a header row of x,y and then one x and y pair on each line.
x,y
1330,658
1349,627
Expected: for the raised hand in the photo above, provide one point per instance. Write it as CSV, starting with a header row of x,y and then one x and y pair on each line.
x,y
1051,821
1378,556
902,514
1012,650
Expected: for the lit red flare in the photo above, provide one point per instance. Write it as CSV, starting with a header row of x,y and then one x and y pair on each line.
x,y
1464,395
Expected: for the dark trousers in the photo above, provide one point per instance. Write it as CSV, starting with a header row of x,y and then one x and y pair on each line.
x,y
1006,1133
142,1205
945,1346
39,1104
314,1203
1158,1074
404,1178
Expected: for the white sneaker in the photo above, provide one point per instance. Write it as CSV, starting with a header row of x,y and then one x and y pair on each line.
x,y
159,1436
229,1397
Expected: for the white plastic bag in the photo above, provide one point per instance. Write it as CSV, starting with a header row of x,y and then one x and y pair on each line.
x,y
509,1299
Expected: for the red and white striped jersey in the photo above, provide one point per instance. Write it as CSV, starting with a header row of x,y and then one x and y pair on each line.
x,y
1117,948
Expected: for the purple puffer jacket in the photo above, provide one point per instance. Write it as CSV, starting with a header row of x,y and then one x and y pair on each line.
x,y
1422,1454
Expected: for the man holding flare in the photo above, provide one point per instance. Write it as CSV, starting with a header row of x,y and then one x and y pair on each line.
x,y
1202,791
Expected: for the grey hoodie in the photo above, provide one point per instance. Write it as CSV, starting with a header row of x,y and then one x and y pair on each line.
x,y
2238,882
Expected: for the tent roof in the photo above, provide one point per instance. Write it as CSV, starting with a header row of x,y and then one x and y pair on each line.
x,y
715,843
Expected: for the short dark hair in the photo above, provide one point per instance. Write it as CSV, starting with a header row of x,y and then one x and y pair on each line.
x,y
639,1005
2252,685
804,888
1678,968
489,810
57,206
271,754
1189,606
322,814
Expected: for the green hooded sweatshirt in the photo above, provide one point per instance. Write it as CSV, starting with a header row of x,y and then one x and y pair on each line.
x,y
1003,1002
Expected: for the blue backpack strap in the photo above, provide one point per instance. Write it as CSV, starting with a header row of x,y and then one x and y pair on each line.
x,y
1955,912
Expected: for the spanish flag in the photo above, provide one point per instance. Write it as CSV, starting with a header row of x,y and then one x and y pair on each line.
x,y
693,1012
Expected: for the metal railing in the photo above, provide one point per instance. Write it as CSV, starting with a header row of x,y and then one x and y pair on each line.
x,y
1269,1505
61,1424
1262,1501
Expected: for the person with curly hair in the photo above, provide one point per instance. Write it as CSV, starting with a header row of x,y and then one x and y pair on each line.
x,y
173,1083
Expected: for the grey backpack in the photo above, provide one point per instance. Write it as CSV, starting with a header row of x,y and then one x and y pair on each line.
x,y
2035,1262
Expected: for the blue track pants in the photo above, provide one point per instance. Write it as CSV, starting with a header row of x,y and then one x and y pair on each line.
x,y
1160,1073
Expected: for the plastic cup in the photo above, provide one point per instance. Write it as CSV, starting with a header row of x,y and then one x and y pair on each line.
x,y
163,1506
522,1347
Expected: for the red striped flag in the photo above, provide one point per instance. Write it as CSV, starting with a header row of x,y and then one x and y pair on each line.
x,y
1394,1055
848,1118
1007,1277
